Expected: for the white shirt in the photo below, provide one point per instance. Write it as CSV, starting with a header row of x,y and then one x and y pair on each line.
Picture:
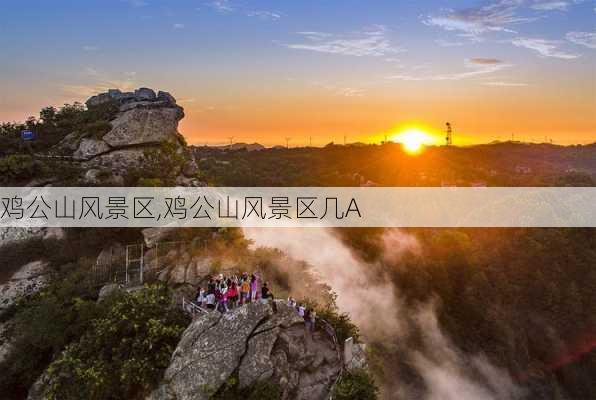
x,y
301,311
210,298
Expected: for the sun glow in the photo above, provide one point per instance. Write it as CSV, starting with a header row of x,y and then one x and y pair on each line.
x,y
413,140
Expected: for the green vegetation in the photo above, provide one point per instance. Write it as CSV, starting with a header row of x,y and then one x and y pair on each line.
x,y
54,124
160,167
18,167
356,385
124,353
262,390
43,325
342,324
504,164
522,297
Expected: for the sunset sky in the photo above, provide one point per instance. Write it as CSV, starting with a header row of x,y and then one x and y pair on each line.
x,y
265,70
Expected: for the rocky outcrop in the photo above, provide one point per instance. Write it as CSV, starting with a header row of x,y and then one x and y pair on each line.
x,y
252,343
12,234
27,280
89,148
142,120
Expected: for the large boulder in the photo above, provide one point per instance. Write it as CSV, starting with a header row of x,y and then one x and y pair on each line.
x,y
255,342
89,148
141,125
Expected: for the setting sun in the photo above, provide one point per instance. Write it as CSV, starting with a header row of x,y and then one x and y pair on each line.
x,y
413,140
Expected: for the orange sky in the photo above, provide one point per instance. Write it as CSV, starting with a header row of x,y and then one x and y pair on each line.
x,y
493,68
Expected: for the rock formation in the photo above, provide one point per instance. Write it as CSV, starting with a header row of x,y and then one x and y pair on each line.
x,y
144,120
252,343
27,280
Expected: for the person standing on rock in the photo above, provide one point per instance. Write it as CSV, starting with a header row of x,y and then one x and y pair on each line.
x,y
301,310
210,300
200,297
254,286
308,321
265,293
232,295
244,290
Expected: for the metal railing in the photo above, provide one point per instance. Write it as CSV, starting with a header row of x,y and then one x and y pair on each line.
x,y
192,308
133,264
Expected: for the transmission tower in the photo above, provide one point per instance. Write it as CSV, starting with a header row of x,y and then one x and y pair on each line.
x,y
288,142
448,135
231,140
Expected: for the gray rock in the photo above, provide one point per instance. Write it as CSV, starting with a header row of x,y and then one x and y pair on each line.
x,y
70,142
165,96
155,235
258,343
5,343
117,162
92,175
27,280
144,126
12,234
145,94
54,233
89,148
98,100
38,390
190,169
107,290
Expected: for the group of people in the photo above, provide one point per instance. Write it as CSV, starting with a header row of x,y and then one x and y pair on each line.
x,y
225,293
308,314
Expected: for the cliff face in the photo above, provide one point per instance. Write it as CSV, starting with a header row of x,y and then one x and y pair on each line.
x,y
252,343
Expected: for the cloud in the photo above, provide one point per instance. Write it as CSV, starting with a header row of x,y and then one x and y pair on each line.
x,y
178,26
505,84
450,374
99,82
366,292
587,39
351,92
473,22
372,42
90,48
544,47
475,67
484,61
553,5
226,7
550,5
496,16
265,15
222,6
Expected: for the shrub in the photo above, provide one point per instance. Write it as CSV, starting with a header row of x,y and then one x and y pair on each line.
x,y
97,129
356,385
124,353
341,322
43,325
17,167
261,390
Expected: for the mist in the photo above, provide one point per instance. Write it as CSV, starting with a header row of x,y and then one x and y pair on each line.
x,y
366,293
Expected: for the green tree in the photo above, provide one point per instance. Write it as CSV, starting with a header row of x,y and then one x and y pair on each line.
x,y
124,353
356,385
